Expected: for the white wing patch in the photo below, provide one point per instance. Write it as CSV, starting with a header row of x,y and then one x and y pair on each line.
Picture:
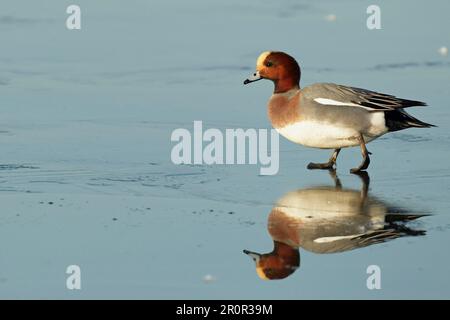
x,y
337,238
331,102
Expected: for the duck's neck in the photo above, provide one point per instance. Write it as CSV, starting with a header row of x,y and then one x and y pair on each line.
x,y
283,250
286,84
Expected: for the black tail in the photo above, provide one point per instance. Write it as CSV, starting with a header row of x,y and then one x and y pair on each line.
x,y
399,119
402,217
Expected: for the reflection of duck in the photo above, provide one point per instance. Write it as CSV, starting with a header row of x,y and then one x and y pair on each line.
x,y
327,220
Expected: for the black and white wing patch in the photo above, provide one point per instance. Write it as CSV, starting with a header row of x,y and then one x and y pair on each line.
x,y
338,95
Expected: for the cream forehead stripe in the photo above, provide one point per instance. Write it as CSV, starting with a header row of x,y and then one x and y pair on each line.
x,y
261,274
261,58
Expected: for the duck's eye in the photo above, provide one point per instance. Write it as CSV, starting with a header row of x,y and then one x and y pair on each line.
x,y
269,64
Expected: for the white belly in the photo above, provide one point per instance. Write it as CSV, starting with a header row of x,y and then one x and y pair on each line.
x,y
319,135
328,135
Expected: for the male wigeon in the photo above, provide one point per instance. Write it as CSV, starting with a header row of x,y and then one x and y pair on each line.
x,y
327,220
327,115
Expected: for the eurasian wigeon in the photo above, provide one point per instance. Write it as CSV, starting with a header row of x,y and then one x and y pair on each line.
x,y
327,115
327,220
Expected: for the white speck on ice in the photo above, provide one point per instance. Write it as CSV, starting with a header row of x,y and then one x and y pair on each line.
x,y
209,278
330,17
443,51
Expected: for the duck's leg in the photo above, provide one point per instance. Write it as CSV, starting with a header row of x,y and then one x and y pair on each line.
x,y
365,154
327,165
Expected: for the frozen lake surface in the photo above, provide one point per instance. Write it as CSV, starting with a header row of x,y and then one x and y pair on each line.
x,y
85,171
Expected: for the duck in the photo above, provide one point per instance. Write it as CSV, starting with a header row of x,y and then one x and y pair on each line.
x,y
328,220
328,115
